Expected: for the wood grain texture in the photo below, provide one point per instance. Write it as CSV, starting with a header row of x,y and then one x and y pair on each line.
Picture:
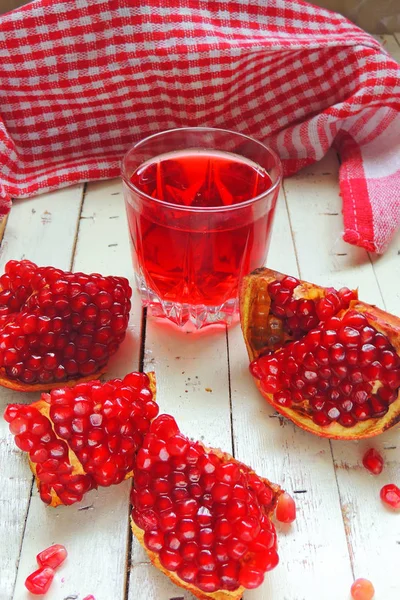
x,y
35,229
372,532
300,462
193,385
96,531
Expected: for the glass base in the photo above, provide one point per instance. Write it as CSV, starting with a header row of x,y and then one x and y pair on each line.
x,y
187,316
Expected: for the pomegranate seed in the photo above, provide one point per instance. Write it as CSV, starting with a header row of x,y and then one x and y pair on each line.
x,y
362,589
103,424
373,461
286,509
40,581
289,282
52,557
90,597
250,578
390,495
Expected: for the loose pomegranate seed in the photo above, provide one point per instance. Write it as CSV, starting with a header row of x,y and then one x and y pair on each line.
x,y
52,557
286,509
390,495
103,424
40,581
90,597
362,589
373,461
222,520
51,328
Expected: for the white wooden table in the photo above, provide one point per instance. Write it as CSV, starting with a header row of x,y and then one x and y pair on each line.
x,y
342,530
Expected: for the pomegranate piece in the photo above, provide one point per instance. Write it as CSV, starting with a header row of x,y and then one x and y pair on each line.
x,y
362,589
203,518
339,378
285,509
39,581
52,557
373,461
277,308
58,326
390,495
84,436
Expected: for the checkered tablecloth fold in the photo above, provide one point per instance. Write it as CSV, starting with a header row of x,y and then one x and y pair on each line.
x,y
81,80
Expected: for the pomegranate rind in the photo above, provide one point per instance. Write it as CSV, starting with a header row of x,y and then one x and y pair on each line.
x,y
385,323
154,558
257,283
17,386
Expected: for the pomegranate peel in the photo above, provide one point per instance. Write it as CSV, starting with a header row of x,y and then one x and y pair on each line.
x,y
203,518
340,379
82,437
19,386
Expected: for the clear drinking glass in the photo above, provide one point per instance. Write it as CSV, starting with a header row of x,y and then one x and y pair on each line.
x,y
200,204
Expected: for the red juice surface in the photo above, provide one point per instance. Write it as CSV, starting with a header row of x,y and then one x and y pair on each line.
x,y
197,257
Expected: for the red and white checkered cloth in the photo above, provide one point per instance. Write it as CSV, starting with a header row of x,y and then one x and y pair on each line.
x,y
80,80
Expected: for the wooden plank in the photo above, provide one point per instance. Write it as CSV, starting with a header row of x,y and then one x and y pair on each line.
x,y
37,229
96,537
324,258
193,385
300,462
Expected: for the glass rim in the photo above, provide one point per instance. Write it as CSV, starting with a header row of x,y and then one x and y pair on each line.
x,y
202,209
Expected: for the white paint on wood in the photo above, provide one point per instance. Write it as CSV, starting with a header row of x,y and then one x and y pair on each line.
x,y
193,386
297,461
96,538
372,532
37,229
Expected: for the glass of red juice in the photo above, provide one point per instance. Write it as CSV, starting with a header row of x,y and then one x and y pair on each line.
x,y
200,204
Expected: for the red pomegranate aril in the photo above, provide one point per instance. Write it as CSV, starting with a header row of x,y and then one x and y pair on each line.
x,y
321,419
285,509
361,412
188,572
205,561
249,577
355,319
170,559
373,461
154,540
236,548
89,597
39,581
349,336
208,582
367,354
289,282
362,589
390,495
283,398
337,353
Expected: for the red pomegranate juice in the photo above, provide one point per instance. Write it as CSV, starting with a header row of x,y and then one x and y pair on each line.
x,y
189,247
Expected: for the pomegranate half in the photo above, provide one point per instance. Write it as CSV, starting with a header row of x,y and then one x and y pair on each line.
x,y
321,357
203,518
